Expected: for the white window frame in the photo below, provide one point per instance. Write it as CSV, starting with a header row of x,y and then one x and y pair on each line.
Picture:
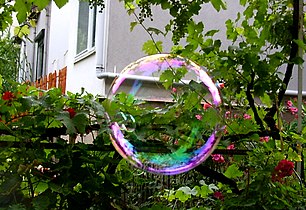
x,y
40,57
91,34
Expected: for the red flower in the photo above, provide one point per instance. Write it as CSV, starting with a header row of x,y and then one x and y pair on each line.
x,y
7,96
219,195
206,106
283,169
220,85
71,111
218,158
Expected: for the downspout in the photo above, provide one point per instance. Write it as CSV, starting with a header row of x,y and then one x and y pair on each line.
x,y
22,67
102,24
300,165
295,92
33,58
46,50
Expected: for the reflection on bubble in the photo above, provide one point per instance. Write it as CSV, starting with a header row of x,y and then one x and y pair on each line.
x,y
159,137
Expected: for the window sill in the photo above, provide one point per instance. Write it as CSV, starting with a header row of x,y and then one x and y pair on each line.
x,y
82,55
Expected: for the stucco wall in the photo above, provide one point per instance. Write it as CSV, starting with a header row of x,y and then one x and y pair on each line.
x,y
121,46
62,51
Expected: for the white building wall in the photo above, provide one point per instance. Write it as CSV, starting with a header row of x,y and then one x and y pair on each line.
x,y
81,71
117,45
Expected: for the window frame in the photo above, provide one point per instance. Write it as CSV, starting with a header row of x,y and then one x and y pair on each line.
x,y
39,68
91,33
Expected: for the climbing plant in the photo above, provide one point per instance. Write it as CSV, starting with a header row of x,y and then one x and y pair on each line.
x,y
69,174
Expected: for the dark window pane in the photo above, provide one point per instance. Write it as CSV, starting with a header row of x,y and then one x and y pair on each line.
x,y
82,37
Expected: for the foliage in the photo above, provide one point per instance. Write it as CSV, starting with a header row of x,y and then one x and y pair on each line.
x,y
263,40
9,55
67,176
70,175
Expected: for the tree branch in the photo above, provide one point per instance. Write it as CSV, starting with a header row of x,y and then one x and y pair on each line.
x,y
269,118
252,102
206,171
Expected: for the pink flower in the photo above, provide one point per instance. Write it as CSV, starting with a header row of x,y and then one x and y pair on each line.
x,y
231,147
247,117
206,106
174,90
7,96
236,116
289,103
293,110
217,158
219,195
227,114
264,139
198,116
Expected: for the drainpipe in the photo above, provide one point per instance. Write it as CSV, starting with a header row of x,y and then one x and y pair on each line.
x,y
300,165
22,67
33,57
295,92
102,28
47,37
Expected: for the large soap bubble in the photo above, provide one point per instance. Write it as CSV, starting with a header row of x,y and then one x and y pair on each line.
x,y
164,114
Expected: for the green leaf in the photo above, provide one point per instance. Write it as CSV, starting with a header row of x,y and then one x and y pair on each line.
x,y
1,81
182,196
41,4
10,185
167,78
265,99
165,5
41,202
243,2
218,4
60,3
21,9
191,100
155,31
65,119
203,191
80,121
211,32
157,207
132,25
16,207
150,47
233,172
22,31
41,187
197,87
297,60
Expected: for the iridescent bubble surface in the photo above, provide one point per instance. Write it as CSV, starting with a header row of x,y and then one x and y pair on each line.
x,y
164,114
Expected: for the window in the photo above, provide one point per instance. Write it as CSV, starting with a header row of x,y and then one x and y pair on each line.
x,y
40,47
86,27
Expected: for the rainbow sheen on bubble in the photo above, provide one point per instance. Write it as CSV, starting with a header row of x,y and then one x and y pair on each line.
x,y
157,119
